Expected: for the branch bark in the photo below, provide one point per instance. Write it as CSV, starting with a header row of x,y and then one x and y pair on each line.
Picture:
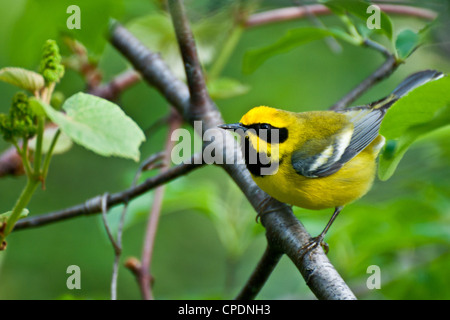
x,y
200,101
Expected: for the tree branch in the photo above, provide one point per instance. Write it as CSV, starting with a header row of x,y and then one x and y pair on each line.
x,y
381,73
291,13
112,90
94,205
285,14
384,71
194,74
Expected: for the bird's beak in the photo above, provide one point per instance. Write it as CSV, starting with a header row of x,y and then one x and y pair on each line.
x,y
233,126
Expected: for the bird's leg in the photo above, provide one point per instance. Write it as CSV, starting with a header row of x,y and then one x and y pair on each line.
x,y
316,241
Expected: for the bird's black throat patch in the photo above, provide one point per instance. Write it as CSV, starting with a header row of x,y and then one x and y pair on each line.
x,y
255,161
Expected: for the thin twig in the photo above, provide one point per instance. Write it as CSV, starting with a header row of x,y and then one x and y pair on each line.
x,y
113,89
285,14
410,11
151,162
104,205
381,73
93,205
146,165
291,13
117,245
145,277
81,63
378,47
141,269
332,43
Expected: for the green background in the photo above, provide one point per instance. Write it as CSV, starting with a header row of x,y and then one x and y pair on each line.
x,y
207,242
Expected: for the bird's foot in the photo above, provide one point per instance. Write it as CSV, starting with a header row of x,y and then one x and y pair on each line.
x,y
312,244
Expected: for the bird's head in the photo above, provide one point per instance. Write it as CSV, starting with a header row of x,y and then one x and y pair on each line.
x,y
264,127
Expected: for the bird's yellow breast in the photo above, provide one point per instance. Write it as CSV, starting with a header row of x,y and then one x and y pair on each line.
x,y
348,184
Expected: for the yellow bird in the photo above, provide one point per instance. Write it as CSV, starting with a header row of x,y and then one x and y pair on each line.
x,y
318,159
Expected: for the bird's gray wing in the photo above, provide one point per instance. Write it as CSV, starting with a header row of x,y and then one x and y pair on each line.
x,y
337,150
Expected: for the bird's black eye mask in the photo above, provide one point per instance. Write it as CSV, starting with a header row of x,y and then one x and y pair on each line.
x,y
264,132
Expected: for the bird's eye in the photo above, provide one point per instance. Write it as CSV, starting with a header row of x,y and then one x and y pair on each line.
x,y
264,126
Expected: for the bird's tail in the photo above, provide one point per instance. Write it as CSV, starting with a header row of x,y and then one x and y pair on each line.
x,y
416,80
410,83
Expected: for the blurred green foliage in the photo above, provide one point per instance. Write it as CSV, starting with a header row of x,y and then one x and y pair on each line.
x,y
207,242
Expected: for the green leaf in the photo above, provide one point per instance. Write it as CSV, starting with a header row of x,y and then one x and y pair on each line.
x,y
6,215
418,106
421,111
223,88
395,151
98,125
292,39
359,10
407,41
22,78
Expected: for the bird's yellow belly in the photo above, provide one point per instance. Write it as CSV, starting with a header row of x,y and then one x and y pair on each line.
x,y
351,182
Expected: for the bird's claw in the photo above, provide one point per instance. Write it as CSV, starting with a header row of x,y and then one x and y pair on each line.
x,y
314,243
